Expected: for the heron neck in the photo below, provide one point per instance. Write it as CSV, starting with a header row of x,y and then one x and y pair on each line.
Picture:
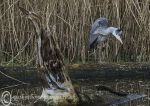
x,y
111,29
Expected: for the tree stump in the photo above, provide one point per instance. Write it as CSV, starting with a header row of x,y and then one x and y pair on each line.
x,y
57,86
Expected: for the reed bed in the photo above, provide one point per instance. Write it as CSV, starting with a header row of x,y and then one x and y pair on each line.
x,y
70,20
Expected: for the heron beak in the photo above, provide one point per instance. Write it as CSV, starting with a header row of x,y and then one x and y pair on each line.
x,y
118,37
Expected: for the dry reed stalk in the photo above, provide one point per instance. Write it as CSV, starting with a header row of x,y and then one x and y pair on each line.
x,y
73,19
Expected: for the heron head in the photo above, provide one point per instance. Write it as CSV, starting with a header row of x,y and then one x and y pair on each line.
x,y
117,33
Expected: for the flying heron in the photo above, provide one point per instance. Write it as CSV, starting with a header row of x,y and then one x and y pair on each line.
x,y
100,31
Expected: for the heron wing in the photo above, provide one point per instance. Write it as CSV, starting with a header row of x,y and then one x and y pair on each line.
x,y
97,38
93,39
99,23
101,38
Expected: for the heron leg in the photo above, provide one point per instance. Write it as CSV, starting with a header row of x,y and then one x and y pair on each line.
x,y
101,47
100,54
92,54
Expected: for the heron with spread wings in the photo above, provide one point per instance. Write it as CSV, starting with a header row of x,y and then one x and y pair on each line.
x,y
100,31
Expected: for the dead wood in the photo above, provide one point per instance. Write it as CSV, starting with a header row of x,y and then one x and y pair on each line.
x,y
57,86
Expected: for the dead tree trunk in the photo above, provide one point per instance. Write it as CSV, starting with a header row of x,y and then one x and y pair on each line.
x,y
57,86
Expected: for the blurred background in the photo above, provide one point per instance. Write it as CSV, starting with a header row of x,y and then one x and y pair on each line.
x,y
71,21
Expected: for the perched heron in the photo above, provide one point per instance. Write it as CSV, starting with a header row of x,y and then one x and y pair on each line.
x,y
100,32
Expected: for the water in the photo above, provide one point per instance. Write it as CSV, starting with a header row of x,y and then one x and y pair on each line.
x,y
27,94
130,86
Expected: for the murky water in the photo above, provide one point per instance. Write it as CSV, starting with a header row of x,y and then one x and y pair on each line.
x,y
130,86
23,94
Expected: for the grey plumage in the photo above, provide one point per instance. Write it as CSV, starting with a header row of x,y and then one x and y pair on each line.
x,y
100,32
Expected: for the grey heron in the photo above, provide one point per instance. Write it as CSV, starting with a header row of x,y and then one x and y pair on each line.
x,y
100,31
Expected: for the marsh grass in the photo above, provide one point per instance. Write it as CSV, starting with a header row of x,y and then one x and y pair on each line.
x,y
71,21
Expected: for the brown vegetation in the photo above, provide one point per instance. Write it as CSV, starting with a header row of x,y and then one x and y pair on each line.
x,y
71,20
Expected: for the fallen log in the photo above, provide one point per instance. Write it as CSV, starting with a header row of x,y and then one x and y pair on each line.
x,y
82,71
